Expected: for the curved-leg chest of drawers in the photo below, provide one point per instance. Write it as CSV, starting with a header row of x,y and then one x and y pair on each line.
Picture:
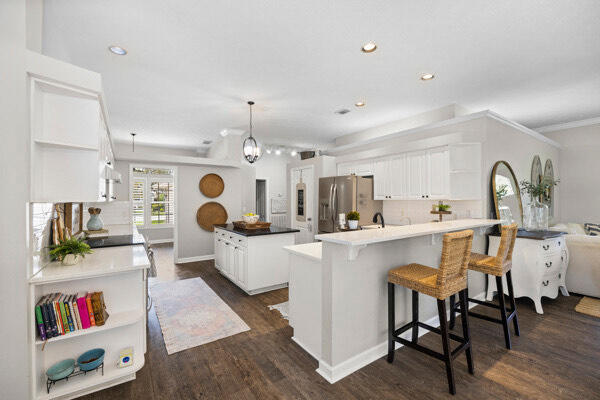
x,y
539,268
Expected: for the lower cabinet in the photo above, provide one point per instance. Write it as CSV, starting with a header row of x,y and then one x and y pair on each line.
x,y
539,268
255,264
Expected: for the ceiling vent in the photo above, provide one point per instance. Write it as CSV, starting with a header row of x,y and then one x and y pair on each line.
x,y
342,111
206,142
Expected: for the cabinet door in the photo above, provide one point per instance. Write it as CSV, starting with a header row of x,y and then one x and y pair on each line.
x,y
397,177
416,171
344,169
364,169
381,180
242,267
438,174
219,253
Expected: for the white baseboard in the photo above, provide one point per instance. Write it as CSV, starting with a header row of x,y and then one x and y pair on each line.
x,y
299,343
194,259
159,241
345,368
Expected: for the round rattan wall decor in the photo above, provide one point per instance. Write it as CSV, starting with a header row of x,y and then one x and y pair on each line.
x,y
209,214
211,185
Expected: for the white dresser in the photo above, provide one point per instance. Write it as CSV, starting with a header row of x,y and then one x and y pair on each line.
x,y
539,267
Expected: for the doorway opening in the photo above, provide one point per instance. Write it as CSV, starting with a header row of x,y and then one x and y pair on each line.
x,y
261,199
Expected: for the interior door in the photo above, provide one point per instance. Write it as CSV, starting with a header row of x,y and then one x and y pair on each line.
x,y
307,226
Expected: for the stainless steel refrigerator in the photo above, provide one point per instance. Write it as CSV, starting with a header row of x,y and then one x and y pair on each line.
x,y
342,194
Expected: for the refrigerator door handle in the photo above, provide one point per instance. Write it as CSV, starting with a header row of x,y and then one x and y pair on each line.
x,y
334,207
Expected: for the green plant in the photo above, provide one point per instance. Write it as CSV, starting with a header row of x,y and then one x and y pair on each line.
x,y
540,189
501,191
443,207
69,246
353,216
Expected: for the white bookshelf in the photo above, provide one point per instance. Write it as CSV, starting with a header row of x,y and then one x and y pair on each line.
x,y
120,273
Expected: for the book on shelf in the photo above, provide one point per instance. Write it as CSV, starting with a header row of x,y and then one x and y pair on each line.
x,y
58,314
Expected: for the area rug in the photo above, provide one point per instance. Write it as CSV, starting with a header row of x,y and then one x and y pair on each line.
x,y
191,314
589,306
283,309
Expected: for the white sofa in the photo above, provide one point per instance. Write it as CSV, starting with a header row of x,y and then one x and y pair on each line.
x,y
583,272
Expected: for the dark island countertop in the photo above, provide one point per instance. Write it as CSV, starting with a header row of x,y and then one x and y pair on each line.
x,y
273,230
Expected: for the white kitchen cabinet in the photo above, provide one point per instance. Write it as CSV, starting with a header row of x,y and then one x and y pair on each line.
x,y
256,264
439,174
67,112
363,168
397,177
381,180
417,175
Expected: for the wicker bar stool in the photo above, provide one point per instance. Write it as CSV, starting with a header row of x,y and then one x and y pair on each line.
x,y
498,266
450,278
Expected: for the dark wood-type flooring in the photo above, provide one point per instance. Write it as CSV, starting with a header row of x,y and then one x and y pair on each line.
x,y
557,356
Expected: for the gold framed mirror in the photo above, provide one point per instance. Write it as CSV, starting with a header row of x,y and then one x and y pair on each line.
x,y
506,194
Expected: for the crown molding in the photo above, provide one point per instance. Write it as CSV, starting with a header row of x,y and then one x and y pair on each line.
x,y
569,125
462,118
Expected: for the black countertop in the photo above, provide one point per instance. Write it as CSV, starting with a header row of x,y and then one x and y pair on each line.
x,y
535,235
114,241
273,230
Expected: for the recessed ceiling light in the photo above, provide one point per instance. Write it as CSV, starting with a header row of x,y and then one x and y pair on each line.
x,y
359,104
369,47
293,153
268,151
117,50
224,133
427,77
278,152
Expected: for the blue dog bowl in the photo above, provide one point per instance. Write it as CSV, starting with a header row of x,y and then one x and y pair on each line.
x,y
61,369
91,359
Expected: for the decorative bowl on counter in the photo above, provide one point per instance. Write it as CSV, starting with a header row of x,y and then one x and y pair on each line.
x,y
250,219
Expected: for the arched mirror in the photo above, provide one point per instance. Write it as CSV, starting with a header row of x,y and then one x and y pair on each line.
x,y
506,193
548,197
536,170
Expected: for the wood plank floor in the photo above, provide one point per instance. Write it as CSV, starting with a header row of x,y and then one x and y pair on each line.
x,y
556,357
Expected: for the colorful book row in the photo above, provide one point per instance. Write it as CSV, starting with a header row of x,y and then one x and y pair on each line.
x,y
58,314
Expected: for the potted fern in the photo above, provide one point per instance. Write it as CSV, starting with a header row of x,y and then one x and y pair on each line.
x,y
69,251
353,217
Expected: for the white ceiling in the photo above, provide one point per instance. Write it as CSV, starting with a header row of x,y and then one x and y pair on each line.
x,y
193,64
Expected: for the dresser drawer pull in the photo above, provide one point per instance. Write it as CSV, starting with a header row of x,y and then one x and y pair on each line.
x,y
546,246
545,283
559,242
548,264
559,276
562,258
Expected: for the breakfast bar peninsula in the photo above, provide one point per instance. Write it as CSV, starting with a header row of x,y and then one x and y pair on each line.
x,y
338,289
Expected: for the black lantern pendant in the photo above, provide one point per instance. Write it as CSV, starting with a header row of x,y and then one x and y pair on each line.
x,y
250,148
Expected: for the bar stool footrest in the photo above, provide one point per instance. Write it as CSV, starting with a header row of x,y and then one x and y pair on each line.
x,y
464,344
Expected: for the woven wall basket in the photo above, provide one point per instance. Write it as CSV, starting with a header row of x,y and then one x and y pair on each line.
x,y
209,214
211,185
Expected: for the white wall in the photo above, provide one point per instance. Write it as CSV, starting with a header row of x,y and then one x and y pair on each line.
x,y
428,117
14,173
273,168
579,179
192,240
123,149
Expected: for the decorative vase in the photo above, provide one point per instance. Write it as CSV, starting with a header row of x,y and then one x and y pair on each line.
x,y
95,223
353,223
536,216
71,259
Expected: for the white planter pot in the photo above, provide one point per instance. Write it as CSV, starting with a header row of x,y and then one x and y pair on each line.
x,y
71,259
353,224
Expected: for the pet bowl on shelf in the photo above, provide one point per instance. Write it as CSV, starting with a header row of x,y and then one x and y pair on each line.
x,y
91,359
250,219
61,369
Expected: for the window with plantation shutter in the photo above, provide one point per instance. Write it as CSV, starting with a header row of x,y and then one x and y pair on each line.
x,y
152,197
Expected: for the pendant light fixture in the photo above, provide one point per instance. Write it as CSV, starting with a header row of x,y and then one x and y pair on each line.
x,y
250,148
133,141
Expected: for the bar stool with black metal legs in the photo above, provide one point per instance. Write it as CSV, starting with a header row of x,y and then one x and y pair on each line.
x,y
450,278
498,266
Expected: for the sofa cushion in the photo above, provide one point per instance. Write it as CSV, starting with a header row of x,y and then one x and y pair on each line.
x,y
592,229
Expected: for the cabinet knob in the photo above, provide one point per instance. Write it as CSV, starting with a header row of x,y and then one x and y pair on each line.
x,y
427,196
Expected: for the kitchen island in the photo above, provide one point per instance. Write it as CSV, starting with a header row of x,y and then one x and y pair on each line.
x,y
254,260
344,279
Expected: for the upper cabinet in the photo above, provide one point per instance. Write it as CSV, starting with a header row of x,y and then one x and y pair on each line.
x,y
69,136
447,173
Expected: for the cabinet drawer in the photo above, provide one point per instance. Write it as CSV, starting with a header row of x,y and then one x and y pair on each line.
x,y
552,265
551,246
549,285
239,240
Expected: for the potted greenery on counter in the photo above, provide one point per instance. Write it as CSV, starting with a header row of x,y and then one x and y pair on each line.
x,y
69,251
353,217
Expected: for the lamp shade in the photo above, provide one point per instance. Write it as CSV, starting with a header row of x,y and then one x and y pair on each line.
x,y
251,150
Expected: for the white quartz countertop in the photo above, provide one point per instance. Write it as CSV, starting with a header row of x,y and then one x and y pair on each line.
x,y
370,236
103,261
312,251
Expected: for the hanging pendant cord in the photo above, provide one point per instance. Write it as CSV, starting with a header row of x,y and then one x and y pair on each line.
x,y
250,103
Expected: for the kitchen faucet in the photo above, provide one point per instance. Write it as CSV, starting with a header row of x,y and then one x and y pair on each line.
x,y
375,219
